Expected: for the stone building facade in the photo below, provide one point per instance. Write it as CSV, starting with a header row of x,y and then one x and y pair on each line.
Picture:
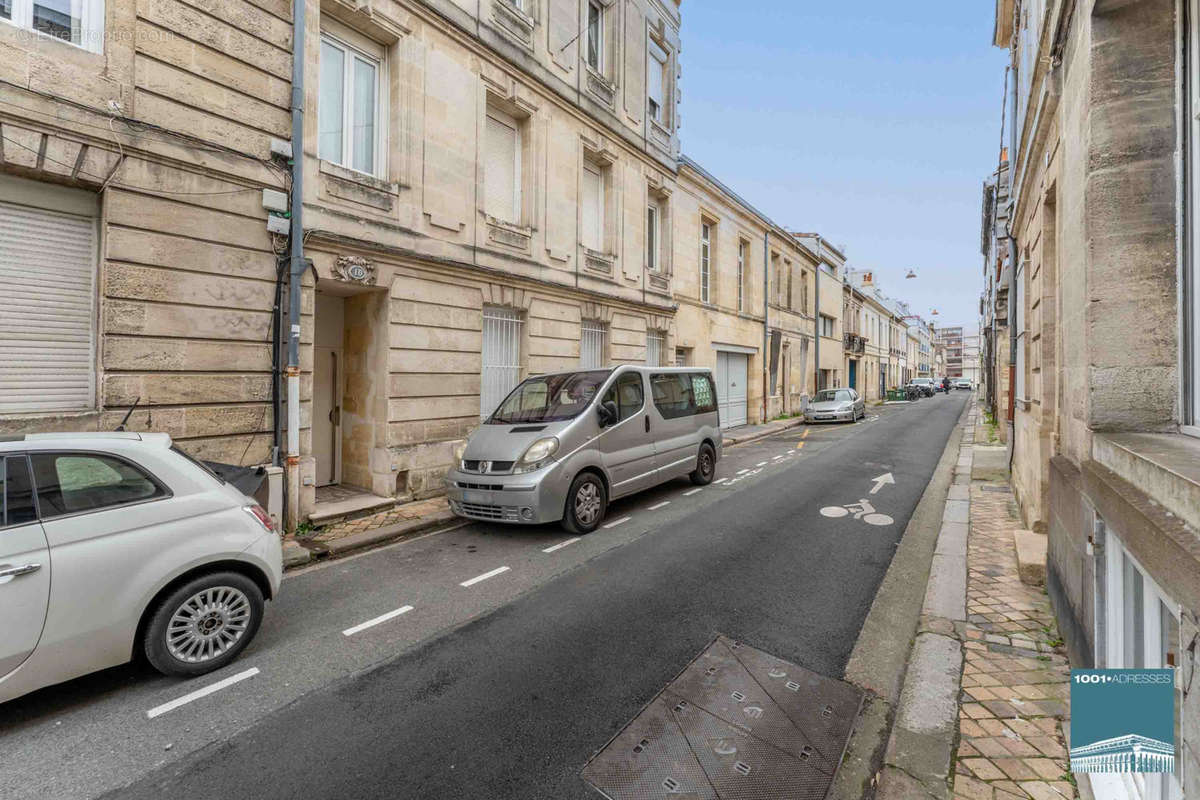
x,y
719,321
137,263
511,208
1102,307
488,195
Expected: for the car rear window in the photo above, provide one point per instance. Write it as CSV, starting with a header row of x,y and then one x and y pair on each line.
x,y
72,483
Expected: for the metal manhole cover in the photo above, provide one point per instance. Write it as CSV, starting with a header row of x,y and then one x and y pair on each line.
x,y
736,723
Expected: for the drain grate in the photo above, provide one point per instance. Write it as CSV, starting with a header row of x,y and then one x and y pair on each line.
x,y
736,724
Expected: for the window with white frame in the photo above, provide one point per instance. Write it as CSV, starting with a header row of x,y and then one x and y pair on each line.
x,y
348,107
594,36
652,237
656,342
502,167
593,206
1141,631
501,356
591,344
743,250
657,83
78,22
827,326
706,237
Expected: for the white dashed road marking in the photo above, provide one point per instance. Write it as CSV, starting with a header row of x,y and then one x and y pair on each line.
x,y
371,623
720,481
659,505
742,471
158,711
761,464
617,522
691,492
561,545
484,576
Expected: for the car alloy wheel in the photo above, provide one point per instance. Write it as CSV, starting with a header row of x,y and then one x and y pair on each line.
x,y
587,503
208,624
202,624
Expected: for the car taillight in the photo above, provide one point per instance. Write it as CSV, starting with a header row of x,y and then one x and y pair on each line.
x,y
261,515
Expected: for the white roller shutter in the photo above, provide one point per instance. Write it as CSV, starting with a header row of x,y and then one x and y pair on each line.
x,y
502,169
47,308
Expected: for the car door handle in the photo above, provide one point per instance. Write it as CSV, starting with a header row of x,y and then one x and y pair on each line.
x,y
647,424
12,572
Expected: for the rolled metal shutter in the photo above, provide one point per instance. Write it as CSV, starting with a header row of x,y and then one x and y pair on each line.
x,y
47,310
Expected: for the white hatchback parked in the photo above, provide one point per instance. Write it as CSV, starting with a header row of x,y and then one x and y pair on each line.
x,y
118,544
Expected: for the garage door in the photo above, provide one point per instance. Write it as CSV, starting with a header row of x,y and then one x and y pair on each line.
x,y
731,388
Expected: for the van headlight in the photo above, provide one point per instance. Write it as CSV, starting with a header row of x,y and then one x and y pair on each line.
x,y
460,450
538,455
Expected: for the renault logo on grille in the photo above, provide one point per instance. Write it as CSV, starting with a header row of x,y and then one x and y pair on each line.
x,y
485,466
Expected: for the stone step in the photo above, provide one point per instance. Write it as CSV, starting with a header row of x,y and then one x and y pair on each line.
x,y
1031,557
360,505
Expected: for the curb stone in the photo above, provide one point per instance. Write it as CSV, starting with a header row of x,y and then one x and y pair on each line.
x,y
297,555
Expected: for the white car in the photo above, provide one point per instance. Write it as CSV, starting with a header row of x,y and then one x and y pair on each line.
x,y
118,545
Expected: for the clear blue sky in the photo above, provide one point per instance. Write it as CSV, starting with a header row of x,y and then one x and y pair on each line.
x,y
873,123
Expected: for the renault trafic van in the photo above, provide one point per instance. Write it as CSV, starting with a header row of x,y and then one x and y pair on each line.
x,y
562,446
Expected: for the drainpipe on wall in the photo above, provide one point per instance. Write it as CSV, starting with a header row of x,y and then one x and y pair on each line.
x,y
766,372
817,317
296,270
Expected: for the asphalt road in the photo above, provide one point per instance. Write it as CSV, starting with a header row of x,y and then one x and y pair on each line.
x,y
506,686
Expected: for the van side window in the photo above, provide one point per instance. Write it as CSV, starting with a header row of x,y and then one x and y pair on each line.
x,y
673,396
628,394
16,492
705,394
70,483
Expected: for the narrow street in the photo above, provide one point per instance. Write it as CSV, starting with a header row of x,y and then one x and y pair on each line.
x,y
524,650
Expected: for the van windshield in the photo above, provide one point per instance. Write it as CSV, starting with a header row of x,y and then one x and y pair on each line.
x,y
550,398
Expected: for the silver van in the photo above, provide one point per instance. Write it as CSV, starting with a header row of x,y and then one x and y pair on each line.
x,y
562,446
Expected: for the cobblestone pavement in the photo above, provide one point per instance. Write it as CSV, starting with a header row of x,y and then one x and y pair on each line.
x,y
401,513
1014,696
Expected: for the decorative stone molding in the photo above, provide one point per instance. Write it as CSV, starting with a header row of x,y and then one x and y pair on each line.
x,y
514,22
508,235
601,88
659,282
496,294
598,262
355,269
597,311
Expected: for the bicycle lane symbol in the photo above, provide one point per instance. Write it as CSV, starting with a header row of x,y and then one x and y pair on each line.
x,y
862,510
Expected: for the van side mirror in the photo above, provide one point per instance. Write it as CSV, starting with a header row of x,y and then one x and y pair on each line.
x,y
608,413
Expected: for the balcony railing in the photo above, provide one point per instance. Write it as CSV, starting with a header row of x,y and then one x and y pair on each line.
x,y
853,343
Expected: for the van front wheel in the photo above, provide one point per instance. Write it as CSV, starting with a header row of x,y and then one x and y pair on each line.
x,y
706,466
586,502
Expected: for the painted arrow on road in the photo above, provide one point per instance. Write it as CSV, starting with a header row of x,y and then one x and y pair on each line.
x,y
885,478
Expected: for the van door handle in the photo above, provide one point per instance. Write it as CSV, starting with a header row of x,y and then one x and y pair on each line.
x,y
647,423
12,572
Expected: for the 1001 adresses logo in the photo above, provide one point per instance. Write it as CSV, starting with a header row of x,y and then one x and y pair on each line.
x,y
1122,720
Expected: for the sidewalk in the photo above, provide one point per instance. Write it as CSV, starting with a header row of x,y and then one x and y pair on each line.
x,y
748,433
982,712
